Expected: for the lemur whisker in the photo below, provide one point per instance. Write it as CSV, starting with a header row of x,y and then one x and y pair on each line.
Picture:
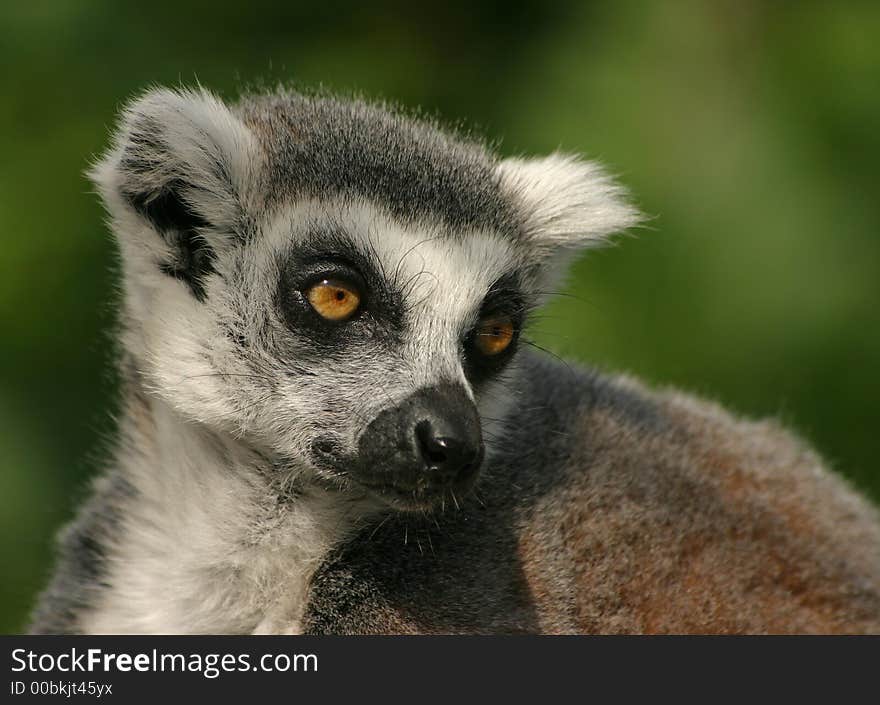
x,y
551,353
406,254
378,526
227,374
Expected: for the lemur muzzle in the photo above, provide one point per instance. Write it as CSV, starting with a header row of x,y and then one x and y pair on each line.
x,y
428,443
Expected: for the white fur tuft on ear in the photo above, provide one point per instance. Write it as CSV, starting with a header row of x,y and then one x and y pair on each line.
x,y
186,142
567,203
177,180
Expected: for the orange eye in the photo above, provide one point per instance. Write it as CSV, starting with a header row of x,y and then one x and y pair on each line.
x,y
334,300
494,335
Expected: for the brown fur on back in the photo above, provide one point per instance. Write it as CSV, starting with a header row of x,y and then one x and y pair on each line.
x,y
719,526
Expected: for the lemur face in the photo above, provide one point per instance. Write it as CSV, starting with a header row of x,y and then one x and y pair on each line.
x,y
389,343
340,286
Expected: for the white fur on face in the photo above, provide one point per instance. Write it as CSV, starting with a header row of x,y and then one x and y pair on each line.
x,y
445,279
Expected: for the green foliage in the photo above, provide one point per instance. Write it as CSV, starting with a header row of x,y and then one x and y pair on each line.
x,y
748,130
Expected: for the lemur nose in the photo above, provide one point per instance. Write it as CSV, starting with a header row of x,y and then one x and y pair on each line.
x,y
443,451
430,442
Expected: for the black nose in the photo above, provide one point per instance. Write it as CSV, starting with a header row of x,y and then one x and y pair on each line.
x,y
444,449
428,443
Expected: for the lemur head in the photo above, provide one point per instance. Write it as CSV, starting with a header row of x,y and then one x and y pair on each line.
x,y
339,284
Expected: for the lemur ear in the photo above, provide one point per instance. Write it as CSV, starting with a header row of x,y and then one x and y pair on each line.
x,y
568,204
180,166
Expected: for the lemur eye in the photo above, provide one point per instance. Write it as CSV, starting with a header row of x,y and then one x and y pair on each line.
x,y
334,300
494,335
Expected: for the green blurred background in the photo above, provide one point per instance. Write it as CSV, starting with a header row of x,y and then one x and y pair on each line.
x,y
750,131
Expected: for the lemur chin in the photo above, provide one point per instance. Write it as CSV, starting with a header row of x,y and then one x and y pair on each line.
x,y
331,422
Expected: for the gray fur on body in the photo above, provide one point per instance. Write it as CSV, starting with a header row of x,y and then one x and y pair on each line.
x,y
602,506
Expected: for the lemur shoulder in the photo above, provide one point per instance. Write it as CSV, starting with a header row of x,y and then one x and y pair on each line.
x,y
331,424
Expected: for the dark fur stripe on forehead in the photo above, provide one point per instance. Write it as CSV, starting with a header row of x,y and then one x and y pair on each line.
x,y
324,146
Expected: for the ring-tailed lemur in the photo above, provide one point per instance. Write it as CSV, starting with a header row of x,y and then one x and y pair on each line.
x,y
329,424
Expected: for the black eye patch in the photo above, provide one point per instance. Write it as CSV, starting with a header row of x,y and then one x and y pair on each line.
x,y
331,255
504,301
